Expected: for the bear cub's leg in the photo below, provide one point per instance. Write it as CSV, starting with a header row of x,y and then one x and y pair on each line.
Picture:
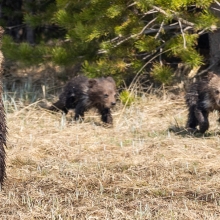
x,y
202,117
106,115
79,111
192,120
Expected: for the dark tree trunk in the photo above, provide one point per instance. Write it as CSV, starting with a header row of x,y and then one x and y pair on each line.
x,y
29,29
0,10
214,43
3,127
11,16
30,34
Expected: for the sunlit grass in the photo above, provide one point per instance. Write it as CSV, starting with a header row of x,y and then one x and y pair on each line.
x,y
145,167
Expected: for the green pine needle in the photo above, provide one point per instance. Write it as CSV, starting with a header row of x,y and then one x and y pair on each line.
x,y
162,73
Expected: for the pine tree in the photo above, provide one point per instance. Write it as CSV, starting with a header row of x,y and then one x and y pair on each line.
x,y
123,38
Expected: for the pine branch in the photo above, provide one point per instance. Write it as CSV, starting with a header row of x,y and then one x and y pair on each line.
x,y
129,37
138,34
134,81
158,49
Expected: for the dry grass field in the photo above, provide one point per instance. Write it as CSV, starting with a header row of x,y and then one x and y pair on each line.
x,y
144,167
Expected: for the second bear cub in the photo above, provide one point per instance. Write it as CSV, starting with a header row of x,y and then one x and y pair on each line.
x,y
202,98
82,94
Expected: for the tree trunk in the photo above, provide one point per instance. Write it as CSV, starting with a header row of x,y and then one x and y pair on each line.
x,y
0,10
29,29
30,34
214,43
3,128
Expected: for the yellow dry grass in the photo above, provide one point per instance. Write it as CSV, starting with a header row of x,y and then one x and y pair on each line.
x,y
139,169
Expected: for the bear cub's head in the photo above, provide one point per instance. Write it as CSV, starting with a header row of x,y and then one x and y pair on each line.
x,y
102,91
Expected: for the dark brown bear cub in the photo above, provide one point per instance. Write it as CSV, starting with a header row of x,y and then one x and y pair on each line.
x,y
202,98
82,94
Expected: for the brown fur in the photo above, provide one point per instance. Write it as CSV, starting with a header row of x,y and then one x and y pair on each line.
x,y
202,98
82,94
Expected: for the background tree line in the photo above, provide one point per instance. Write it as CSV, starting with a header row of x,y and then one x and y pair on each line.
x,y
119,37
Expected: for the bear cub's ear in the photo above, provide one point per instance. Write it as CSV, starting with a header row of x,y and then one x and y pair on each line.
x,y
92,82
210,75
110,79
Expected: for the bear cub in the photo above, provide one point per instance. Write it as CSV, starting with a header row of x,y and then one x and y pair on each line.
x,y
202,97
82,94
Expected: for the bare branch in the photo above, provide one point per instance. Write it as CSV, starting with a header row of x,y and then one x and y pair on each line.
x,y
174,16
114,39
134,3
135,35
122,41
187,28
160,57
146,26
205,70
217,3
216,9
160,29
166,27
152,11
204,31
157,49
184,40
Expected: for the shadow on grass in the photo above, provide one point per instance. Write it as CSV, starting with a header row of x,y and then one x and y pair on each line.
x,y
182,131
